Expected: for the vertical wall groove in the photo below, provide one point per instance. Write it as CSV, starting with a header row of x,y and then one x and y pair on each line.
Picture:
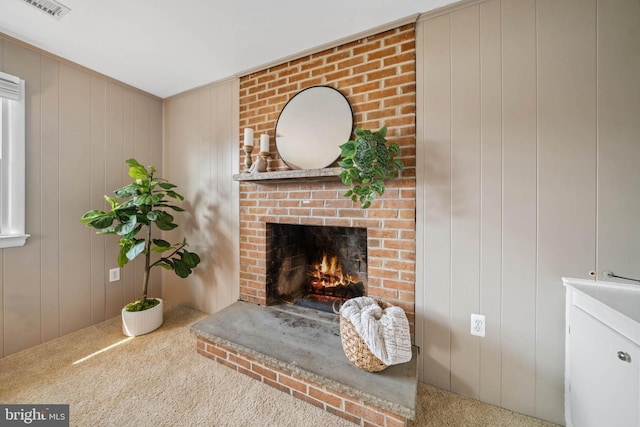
x,y
537,202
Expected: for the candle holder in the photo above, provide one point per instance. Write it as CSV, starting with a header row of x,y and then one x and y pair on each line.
x,y
265,161
247,159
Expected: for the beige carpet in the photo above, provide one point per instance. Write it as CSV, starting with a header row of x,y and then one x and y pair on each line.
x,y
159,379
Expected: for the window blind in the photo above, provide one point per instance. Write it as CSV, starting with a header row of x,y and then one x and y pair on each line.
x,y
10,87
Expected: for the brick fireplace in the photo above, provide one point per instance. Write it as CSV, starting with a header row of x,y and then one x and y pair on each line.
x,y
377,75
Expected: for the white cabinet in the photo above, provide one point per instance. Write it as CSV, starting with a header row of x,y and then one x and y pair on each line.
x,y
603,357
603,387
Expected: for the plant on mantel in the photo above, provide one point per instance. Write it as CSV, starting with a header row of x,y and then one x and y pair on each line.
x,y
144,203
367,162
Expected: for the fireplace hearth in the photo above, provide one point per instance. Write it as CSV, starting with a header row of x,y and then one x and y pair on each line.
x,y
315,266
298,351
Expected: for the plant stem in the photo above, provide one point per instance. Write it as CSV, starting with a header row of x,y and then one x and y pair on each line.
x,y
147,256
147,266
165,258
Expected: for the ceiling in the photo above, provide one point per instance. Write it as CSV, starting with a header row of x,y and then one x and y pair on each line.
x,y
166,47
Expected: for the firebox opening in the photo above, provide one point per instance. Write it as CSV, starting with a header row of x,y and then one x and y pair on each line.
x,y
315,266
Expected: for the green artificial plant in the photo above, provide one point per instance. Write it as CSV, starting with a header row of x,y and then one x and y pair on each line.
x,y
144,203
367,162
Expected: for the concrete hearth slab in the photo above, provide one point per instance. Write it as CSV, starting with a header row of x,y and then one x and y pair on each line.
x,y
306,342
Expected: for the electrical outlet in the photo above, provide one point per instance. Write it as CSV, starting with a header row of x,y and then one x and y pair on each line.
x,y
477,325
114,274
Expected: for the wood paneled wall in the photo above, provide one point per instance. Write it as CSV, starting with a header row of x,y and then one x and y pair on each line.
x,y
201,155
527,149
81,126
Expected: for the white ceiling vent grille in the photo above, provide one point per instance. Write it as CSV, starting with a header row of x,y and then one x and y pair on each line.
x,y
50,7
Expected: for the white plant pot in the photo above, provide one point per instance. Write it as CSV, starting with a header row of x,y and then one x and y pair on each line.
x,y
136,323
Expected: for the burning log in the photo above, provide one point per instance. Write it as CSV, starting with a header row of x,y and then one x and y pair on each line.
x,y
327,280
351,290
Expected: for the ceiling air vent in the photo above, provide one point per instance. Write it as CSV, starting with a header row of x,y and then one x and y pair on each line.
x,y
50,7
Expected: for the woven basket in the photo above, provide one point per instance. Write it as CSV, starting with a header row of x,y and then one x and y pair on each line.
x,y
356,349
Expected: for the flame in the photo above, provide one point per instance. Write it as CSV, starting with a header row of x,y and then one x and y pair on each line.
x,y
328,273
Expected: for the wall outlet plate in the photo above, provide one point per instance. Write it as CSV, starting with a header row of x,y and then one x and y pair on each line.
x,y
477,325
114,274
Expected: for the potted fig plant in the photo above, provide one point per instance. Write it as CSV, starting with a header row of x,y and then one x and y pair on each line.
x,y
135,210
367,161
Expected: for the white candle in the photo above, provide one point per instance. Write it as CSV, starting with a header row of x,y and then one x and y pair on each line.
x,y
248,137
264,143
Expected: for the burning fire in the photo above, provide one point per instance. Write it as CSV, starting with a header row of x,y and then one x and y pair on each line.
x,y
328,281
328,273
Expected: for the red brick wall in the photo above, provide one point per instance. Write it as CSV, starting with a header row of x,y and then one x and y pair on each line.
x,y
377,75
350,408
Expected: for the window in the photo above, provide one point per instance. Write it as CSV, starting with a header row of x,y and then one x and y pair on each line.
x,y
12,161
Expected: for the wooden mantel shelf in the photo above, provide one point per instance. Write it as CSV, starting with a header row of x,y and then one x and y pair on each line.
x,y
325,174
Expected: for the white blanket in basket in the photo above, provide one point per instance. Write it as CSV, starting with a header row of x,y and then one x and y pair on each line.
x,y
386,332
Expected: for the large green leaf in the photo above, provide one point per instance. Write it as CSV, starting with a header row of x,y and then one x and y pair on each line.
x,y
126,209
362,133
166,185
137,248
153,215
108,230
175,195
92,215
98,219
181,268
378,187
172,207
166,226
379,171
112,202
142,218
348,149
160,216
160,242
346,178
122,257
161,246
128,190
133,232
190,258
136,170
361,190
142,200
346,163
155,198
127,227
132,162
164,265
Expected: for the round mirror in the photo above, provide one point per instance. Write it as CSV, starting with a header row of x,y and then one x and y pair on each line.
x,y
312,126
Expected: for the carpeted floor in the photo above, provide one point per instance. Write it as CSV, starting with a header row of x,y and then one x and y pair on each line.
x,y
159,379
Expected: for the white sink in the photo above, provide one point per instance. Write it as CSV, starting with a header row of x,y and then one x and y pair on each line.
x,y
614,304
